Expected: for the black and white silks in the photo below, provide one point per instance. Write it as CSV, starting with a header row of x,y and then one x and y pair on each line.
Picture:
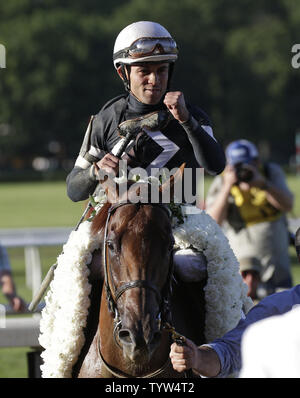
x,y
192,143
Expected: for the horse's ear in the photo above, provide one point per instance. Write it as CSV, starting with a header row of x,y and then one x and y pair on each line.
x,y
173,180
109,185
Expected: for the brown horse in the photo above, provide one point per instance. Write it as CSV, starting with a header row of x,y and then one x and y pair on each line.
x,y
129,339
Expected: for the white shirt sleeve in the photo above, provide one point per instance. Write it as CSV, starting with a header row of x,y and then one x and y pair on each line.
x,y
271,347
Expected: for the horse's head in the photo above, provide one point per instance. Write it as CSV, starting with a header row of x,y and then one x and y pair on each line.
x,y
137,259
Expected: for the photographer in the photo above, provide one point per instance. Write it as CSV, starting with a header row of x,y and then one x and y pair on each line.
x,y
250,200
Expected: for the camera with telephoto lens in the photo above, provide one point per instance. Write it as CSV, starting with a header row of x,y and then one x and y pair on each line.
x,y
243,172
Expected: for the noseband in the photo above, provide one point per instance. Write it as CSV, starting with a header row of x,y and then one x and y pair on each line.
x,y
113,294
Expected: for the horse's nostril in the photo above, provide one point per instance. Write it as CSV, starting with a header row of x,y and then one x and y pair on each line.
x,y
137,341
125,336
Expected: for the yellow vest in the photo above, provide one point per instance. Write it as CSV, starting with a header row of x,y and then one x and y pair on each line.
x,y
253,205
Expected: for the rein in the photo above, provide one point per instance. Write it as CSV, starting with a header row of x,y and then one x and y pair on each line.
x,y
113,295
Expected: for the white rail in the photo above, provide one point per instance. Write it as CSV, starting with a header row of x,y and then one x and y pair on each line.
x,y
23,330
20,331
31,239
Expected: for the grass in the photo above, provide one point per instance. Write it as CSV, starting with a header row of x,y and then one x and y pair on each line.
x,y
13,362
42,204
37,204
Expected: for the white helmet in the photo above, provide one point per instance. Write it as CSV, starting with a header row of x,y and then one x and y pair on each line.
x,y
144,41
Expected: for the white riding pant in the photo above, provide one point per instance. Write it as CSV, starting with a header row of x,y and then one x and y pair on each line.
x,y
190,265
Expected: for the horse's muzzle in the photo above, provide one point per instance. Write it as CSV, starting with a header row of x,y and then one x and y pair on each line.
x,y
136,346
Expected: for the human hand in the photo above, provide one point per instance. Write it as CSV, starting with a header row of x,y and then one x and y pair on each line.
x,y
229,176
184,357
175,102
109,163
18,304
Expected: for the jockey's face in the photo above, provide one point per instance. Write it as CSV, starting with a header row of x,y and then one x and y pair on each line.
x,y
148,81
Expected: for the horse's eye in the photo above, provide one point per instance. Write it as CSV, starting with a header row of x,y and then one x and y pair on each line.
x,y
111,245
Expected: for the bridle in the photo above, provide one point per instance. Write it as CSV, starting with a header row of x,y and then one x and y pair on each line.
x,y
113,294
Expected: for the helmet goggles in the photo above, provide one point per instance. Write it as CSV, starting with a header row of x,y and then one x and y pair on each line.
x,y
146,46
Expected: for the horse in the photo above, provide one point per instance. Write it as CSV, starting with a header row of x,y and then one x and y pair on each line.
x,y
136,303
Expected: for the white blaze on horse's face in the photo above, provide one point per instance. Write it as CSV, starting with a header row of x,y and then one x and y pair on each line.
x,y
139,257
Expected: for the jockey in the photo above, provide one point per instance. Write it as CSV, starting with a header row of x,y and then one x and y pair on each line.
x,y
144,56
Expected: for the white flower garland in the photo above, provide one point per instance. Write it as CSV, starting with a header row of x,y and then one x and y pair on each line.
x,y
67,303
225,292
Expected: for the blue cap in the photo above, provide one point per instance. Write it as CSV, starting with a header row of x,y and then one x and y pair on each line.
x,y
241,151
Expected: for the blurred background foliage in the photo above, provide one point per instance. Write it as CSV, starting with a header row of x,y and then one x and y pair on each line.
x,y
235,62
